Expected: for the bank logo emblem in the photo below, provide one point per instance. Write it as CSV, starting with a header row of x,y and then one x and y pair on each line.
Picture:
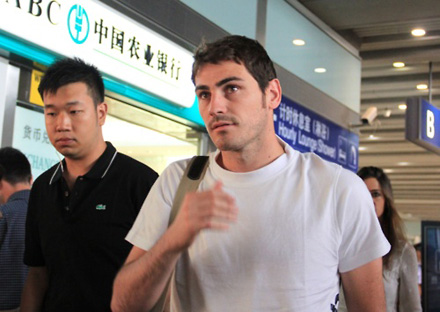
x,y
78,24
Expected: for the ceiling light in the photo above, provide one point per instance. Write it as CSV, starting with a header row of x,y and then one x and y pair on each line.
x,y
372,137
298,42
320,70
418,32
402,106
362,148
422,86
403,163
387,113
399,64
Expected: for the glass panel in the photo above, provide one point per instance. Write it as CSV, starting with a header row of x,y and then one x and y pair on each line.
x,y
229,14
342,76
149,138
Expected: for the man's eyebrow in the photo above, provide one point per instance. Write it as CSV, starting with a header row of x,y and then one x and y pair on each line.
x,y
220,83
72,103
226,80
202,87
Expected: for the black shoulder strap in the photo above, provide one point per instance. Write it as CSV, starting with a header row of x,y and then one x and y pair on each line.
x,y
193,175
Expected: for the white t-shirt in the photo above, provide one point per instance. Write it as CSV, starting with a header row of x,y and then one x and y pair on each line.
x,y
301,221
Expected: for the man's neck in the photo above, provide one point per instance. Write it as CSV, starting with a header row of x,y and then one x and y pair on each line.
x,y
79,167
12,189
251,159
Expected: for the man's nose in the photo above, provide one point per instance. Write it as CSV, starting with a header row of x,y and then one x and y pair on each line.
x,y
217,104
63,122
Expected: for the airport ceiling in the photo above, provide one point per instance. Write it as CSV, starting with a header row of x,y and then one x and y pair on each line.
x,y
381,30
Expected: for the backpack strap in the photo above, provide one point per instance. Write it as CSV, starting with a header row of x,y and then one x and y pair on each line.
x,y
192,176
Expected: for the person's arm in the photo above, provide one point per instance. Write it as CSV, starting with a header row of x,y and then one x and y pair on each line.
x,y
34,290
409,298
142,279
363,288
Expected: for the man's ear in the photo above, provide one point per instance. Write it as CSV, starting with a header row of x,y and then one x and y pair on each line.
x,y
101,111
273,93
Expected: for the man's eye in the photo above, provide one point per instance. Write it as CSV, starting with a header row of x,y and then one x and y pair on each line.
x,y
203,95
50,114
231,89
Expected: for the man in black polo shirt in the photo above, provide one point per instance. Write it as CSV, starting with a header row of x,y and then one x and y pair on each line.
x,y
81,209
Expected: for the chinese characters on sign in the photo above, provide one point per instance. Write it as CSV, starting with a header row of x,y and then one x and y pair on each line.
x,y
307,131
31,138
120,47
35,134
135,49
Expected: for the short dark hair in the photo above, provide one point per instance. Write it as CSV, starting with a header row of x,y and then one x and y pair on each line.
x,y
70,70
241,50
14,166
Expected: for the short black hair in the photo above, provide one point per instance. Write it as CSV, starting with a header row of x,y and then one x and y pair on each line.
x,y
240,50
71,70
14,166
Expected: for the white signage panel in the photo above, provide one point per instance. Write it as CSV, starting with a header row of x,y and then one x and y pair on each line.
x,y
30,137
120,47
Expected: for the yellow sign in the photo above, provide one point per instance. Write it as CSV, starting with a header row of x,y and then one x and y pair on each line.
x,y
34,96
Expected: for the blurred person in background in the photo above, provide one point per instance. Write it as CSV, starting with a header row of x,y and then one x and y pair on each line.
x,y
15,184
400,264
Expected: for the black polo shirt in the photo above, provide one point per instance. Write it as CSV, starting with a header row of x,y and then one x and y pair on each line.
x,y
79,235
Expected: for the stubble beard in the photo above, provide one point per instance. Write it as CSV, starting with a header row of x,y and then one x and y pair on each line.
x,y
227,143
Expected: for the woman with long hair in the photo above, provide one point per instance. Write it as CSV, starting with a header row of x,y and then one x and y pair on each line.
x,y
400,264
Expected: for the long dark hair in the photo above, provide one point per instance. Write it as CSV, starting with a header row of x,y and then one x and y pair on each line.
x,y
390,221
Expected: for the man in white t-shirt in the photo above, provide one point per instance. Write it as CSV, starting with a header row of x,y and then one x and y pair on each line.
x,y
269,229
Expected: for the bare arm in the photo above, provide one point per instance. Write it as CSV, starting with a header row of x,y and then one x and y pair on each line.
x,y
34,290
142,279
363,288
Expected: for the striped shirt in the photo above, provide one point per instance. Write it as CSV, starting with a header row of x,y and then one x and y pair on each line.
x,y
12,270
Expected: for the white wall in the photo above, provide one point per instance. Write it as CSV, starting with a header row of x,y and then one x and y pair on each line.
x,y
413,231
3,73
9,81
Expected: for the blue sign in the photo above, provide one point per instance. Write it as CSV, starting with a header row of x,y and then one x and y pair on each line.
x,y
307,131
423,124
78,24
430,114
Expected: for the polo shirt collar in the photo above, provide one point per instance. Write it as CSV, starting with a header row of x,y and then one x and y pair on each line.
x,y
99,169
23,194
